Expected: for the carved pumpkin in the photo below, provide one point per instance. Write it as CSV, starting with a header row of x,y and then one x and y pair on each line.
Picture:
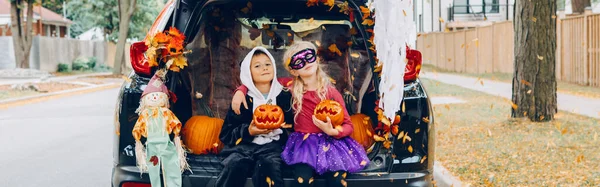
x,y
201,135
331,109
363,130
268,116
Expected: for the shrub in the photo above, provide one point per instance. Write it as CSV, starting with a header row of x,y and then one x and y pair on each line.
x,y
63,67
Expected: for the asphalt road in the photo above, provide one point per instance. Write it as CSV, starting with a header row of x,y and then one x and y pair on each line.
x,y
59,142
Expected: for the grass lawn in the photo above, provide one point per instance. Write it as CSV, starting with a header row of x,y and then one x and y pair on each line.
x,y
479,143
563,87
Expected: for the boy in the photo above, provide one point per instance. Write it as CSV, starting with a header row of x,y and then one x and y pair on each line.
x,y
249,148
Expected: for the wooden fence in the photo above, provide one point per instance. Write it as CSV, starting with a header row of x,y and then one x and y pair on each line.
x,y
484,49
490,49
578,50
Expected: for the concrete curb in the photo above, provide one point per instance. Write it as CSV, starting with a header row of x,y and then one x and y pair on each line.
x,y
42,97
54,78
443,177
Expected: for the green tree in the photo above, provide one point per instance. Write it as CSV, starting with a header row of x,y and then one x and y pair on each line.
x,y
54,5
87,14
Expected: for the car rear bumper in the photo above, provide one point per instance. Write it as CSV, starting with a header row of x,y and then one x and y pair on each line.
x,y
122,174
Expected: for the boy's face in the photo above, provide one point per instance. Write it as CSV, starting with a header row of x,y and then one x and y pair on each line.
x,y
261,69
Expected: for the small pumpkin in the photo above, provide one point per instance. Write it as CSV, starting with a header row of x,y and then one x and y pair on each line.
x,y
201,135
268,116
332,109
363,130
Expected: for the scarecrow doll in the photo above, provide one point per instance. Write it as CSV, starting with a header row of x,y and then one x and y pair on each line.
x,y
156,122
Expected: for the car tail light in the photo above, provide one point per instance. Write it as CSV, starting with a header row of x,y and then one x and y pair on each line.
x,y
138,60
135,184
413,66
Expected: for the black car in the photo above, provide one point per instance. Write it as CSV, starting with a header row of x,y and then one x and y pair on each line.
x,y
221,32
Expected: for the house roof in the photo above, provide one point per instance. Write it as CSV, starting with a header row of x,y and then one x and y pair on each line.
x,y
38,12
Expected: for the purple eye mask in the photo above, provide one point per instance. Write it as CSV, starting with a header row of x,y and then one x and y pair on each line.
x,y
301,58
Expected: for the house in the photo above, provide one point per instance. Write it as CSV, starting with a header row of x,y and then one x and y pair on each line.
x,y
45,22
439,15
95,33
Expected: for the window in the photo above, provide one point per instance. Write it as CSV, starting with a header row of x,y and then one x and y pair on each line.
x,y
476,6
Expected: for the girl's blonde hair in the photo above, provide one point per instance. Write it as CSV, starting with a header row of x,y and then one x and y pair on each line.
x,y
298,89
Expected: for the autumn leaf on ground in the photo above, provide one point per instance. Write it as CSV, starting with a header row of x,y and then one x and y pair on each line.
x,y
334,49
579,158
368,22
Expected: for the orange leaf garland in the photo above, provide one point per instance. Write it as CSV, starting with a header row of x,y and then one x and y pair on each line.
x,y
167,46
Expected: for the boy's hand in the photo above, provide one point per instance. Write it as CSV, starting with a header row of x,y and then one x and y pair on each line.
x,y
238,99
256,131
326,127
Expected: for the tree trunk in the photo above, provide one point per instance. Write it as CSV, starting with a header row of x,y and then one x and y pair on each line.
x,y
579,6
22,34
126,9
534,81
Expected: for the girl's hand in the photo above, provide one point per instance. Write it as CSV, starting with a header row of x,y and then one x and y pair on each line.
x,y
326,127
238,99
256,131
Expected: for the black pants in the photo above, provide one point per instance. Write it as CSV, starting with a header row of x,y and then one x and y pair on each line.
x,y
264,160
303,174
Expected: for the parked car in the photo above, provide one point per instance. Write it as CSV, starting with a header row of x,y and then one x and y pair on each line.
x,y
221,32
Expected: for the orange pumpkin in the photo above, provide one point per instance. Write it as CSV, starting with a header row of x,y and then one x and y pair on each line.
x,y
363,130
331,109
268,116
201,135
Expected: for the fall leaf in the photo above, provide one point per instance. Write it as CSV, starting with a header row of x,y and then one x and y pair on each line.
x,y
417,130
368,22
344,175
245,10
410,149
344,183
540,57
363,163
310,3
336,174
238,141
151,55
355,55
378,68
426,119
395,130
534,19
529,91
423,159
300,180
176,34
161,38
365,11
216,144
154,160
387,144
353,31
325,148
476,40
378,138
305,136
441,20
179,62
579,158
514,106
406,137
404,12
318,43
329,3
311,180
269,181
334,49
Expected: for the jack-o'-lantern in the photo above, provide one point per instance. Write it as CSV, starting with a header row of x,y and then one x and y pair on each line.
x,y
363,130
331,109
268,116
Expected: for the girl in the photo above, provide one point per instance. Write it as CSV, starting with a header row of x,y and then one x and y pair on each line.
x,y
315,146
248,148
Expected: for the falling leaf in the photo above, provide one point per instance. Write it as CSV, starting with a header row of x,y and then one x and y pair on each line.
x,y
541,118
553,16
441,20
355,55
245,10
423,159
540,57
404,12
365,11
426,119
311,21
525,82
318,43
378,68
310,3
305,136
363,163
311,180
447,107
329,3
514,106
334,49
462,46
481,82
344,183
406,137
529,92
489,133
579,158
410,149
344,175
492,106
564,131
216,144
417,130
238,141
336,174
289,34
534,19
353,31
368,22
300,180
269,181
400,135
325,148
476,40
